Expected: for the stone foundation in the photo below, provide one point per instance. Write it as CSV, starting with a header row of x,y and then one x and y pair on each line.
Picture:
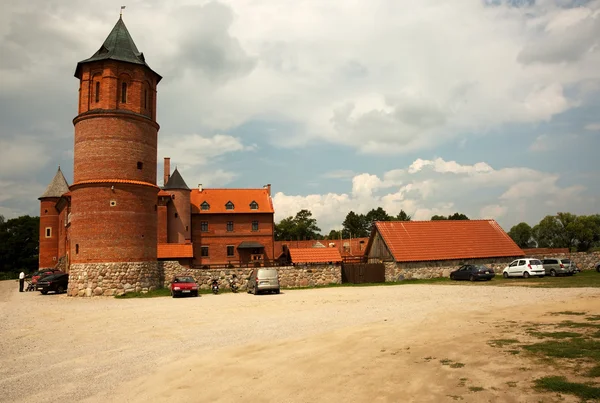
x,y
434,269
96,279
289,276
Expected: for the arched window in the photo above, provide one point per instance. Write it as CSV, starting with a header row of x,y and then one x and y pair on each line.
x,y
254,205
124,92
229,206
97,94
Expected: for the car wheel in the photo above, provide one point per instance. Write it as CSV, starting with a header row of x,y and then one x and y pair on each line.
x,y
472,278
505,275
552,273
452,277
60,289
598,268
255,290
525,274
277,291
44,292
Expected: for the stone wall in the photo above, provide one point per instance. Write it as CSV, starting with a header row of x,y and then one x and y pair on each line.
x,y
583,260
95,279
433,269
289,276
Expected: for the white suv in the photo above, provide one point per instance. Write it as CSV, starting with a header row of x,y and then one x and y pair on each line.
x,y
524,268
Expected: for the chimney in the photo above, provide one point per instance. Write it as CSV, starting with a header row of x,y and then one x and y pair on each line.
x,y
199,187
167,170
268,187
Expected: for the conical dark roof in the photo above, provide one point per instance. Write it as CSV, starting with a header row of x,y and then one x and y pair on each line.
x,y
118,46
57,187
176,182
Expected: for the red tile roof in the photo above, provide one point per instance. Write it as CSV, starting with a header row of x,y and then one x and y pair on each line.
x,y
315,255
412,241
346,247
175,250
241,199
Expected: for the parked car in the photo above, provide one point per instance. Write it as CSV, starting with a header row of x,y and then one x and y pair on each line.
x,y
554,267
184,285
598,267
43,273
263,280
472,272
55,282
525,267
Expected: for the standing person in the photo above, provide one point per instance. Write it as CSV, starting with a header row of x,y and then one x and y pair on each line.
x,y
21,281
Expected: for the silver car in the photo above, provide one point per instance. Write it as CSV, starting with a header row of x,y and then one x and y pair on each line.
x,y
263,280
554,267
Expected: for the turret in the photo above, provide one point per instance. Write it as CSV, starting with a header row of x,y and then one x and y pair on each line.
x,y
179,210
49,220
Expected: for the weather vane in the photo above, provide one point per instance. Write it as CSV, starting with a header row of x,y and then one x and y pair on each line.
x,y
121,13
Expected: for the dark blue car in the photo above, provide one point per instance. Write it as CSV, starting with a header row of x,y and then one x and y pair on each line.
x,y
472,272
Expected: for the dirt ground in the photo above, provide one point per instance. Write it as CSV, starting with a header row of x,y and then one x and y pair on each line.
x,y
367,344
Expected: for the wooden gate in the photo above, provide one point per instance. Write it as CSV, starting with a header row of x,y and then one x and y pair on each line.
x,y
358,273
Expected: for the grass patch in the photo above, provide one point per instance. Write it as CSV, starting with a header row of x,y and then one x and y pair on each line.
x,y
593,372
457,365
555,335
561,385
513,352
511,384
578,325
502,342
455,397
568,313
161,292
476,388
463,381
593,317
586,278
445,361
572,348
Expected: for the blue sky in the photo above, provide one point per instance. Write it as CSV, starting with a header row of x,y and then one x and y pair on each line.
x,y
485,108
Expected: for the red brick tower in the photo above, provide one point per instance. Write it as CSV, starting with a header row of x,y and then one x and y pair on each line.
x,y
49,220
179,213
114,192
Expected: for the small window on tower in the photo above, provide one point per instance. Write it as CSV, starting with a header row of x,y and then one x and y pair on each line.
x,y
145,98
113,203
76,248
97,91
124,92
176,215
48,232
45,211
140,165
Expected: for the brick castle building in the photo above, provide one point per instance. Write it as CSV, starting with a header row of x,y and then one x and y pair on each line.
x,y
114,223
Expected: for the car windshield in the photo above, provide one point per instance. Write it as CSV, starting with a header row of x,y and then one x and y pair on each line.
x,y
184,280
535,262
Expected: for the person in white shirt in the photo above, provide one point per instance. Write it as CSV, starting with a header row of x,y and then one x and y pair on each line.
x,y
21,281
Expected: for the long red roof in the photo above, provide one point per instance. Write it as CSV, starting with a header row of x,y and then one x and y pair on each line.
x,y
315,255
413,241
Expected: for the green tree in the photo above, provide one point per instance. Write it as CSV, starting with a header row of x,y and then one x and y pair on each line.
x,y
521,234
547,233
402,216
438,218
302,226
306,226
19,243
458,216
374,215
355,225
334,234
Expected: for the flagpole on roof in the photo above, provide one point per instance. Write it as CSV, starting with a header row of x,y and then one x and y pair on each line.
x,y
121,12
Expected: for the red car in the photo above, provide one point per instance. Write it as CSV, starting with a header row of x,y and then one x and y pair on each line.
x,y
184,285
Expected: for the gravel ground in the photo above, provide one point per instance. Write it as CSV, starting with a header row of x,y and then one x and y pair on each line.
x,y
54,347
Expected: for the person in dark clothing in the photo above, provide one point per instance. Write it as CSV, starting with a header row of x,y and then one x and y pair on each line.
x,y
21,281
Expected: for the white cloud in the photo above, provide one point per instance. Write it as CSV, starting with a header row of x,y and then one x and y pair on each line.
x,y
429,187
593,127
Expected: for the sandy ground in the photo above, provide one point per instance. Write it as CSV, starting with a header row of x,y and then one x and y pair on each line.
x,y
368,344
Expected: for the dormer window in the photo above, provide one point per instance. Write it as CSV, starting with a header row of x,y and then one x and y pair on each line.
x,y
124,92
205,206
254,205
229,206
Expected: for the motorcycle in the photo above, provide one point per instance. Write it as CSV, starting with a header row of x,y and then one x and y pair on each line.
x,y
233,285
215,286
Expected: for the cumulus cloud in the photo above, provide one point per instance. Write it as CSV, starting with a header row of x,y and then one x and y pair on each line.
x,y
429,187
